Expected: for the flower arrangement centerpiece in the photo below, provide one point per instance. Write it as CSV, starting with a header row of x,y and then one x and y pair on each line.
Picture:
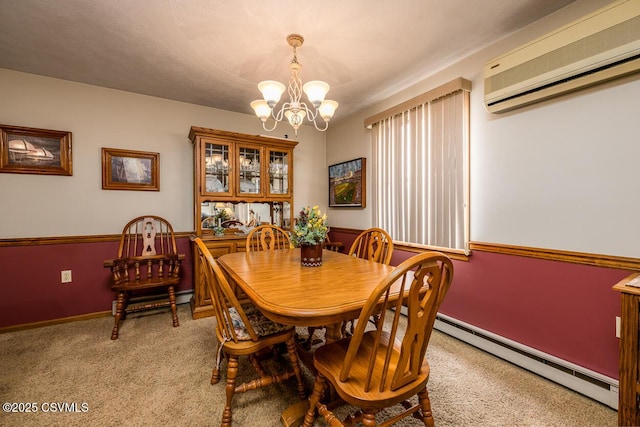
x,y
309,233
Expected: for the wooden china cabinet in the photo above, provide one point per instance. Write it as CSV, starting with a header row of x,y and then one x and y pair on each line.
x,y
245,179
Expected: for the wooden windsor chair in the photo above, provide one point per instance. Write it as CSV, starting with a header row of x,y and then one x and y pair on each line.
x,y
373,244
380,368
147,263
267,238
242,330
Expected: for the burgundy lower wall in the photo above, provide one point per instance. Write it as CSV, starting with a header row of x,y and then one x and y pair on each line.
x,y
31,286
563,309
566,310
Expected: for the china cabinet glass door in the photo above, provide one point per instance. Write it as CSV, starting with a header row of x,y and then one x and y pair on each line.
x,y
217,159
249,161
279,173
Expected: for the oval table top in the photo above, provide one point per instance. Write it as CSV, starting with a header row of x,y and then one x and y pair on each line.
x,y
288,293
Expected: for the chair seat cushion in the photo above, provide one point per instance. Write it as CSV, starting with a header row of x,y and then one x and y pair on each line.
x,y
260,324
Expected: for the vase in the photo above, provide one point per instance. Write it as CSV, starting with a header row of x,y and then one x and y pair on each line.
x,y
311,255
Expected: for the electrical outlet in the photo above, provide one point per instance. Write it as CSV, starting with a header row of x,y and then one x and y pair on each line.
x,y
617,326
65,276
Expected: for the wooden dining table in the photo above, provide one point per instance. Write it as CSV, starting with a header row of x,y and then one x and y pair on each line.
x,y
289,293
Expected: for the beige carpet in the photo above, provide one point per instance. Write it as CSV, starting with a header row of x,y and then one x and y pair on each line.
x,y
157,375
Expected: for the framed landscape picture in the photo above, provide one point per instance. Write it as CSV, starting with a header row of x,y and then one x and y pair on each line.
x,y
35,151
130,170
347,187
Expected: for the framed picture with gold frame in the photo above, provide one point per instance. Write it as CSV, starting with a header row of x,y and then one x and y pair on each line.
x,y
35,151
347,186
130,170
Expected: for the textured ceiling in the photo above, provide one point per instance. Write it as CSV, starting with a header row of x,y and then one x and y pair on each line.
x,y
214,52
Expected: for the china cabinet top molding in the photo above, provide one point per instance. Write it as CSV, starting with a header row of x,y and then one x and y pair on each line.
x,y
237,137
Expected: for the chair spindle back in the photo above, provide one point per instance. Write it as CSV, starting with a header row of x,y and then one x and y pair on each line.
x,y
398,352
147,251
222,295
373,244
267,238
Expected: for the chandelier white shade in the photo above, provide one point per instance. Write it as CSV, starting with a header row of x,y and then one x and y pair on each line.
x,y
294,110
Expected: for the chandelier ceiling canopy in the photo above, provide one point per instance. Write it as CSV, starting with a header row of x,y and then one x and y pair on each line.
x,y
294,110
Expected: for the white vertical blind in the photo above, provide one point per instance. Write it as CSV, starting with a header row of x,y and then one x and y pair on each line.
x,y
420,170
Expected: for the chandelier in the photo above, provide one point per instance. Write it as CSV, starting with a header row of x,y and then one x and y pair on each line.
x,y
294,110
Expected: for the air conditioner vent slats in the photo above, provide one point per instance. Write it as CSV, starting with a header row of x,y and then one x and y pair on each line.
x,y
530,73
556,83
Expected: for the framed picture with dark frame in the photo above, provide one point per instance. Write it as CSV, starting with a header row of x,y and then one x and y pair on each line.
x,y
347,186
35,151
130,170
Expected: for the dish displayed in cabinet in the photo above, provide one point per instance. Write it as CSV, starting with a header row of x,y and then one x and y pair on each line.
x,y
247,186
214,185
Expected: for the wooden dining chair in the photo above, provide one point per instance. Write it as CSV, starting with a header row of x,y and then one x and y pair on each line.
x,y
242,330
267,237
147,262
386,366
374,244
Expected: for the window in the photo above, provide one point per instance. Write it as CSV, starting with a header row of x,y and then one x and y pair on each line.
x,y
421,169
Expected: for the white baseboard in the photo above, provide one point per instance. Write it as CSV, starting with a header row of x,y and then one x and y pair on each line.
x,y
584,381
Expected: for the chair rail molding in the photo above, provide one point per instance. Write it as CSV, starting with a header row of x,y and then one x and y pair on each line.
x,y
599,260
60,240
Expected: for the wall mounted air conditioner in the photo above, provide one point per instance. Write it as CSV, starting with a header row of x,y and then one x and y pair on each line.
x,y
599,47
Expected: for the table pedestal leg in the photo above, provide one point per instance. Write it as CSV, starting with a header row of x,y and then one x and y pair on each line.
x,y
333,333
293,416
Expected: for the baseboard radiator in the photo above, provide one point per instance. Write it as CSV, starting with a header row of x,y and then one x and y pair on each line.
x,y
182,297
577,378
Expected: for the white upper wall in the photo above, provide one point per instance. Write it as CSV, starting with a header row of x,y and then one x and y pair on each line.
x,y
48,205
562,174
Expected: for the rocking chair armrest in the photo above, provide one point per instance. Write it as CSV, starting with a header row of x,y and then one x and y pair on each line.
x,y
178,257
109,263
